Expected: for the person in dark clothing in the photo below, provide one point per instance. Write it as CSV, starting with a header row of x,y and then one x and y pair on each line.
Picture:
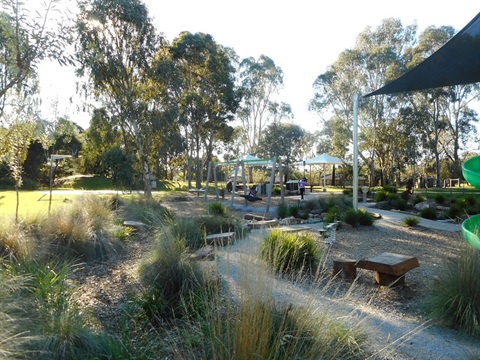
x,y
229,185
301,185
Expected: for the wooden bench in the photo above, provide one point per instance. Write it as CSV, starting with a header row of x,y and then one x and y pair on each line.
x,y
220,239
256,217
290,229
390,269
344,268
197,191
255,225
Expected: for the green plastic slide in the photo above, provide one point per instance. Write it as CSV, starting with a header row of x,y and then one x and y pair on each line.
x,y
471,226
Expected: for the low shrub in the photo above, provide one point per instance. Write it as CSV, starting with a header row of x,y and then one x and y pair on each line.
x,y
293,210
397,202
311,204
455,211
429,213
57,328
440,198
418,199
351,217
359,217
410,221
365,218
271,331
390,189
470,200
453,299
381,195
193,230
288,253
332,215
150,212
13,296
216,208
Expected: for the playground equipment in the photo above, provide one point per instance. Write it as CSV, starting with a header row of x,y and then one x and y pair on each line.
x,y
471,226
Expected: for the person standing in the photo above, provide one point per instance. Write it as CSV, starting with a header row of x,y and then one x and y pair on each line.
x,y
301,185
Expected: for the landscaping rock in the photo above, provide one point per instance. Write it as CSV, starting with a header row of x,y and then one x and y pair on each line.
x,y
384,205
422,205
204,253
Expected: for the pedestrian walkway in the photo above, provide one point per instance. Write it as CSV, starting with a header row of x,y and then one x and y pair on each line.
x,y
397,217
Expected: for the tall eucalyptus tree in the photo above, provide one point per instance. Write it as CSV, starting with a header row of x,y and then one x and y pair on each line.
x,y
260,80
207,99
117,42
379,55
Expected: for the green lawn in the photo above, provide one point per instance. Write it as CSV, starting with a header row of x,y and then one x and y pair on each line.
x,y
31,203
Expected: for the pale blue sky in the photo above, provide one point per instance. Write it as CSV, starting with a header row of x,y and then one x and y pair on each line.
x,y
302,37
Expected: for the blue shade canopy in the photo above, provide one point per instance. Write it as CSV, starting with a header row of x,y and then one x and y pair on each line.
x,y
455,63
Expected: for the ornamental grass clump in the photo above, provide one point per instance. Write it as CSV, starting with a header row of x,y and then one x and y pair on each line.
x,y
168,275
12,302
359,217
410,221
429,213
56,327
216,209
194,229
254,323
150,212
453,299
83,230
290,253
16,243
282,210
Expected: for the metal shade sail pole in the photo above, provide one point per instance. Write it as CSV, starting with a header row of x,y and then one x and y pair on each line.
x,y
355,152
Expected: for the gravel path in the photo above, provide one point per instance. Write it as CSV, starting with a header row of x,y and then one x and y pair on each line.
x,y
389,315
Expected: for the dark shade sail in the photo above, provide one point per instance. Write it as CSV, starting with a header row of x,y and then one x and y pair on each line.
x,y
455,63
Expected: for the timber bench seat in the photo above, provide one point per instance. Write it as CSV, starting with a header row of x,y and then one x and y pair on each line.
x,y
197,191
390,268
220,239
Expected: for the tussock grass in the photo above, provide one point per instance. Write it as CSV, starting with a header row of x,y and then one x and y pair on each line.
x,y
454,298
55,326
12,336
290,253
150,212
194,229
15,241
410,221
359,217
254,323
83,230
167,275
216,209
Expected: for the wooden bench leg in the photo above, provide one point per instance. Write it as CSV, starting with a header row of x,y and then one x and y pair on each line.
x,y
344,268
389,280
